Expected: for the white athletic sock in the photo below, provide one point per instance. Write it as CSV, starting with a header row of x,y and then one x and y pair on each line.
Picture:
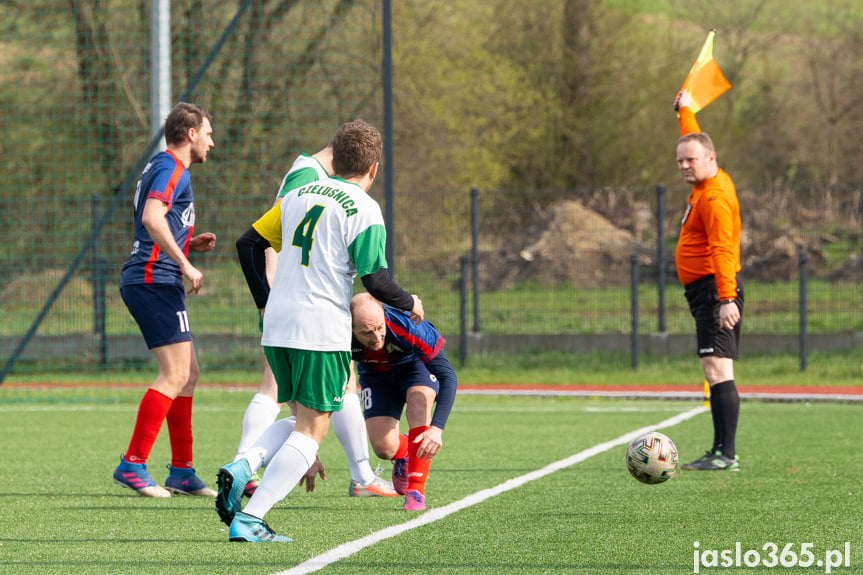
x,y
283,473
261,412
350,427
265,448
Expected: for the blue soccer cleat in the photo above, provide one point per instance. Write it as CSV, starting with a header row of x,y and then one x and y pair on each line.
x,y
232,479
183,481
250,529
135,476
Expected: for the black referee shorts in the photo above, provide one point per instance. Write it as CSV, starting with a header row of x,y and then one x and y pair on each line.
x,y
704,306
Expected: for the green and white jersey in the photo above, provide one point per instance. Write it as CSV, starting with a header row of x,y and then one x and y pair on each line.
x,y
331,231
305,170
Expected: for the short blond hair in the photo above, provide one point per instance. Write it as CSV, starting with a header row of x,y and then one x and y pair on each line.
x,y
700,137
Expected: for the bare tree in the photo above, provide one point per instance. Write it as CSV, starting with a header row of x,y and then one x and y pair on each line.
x,y
258,47
98,77
835,82
577,68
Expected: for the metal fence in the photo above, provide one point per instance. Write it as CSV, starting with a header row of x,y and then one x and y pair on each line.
x,y
75,109
594,271
556,270
498,270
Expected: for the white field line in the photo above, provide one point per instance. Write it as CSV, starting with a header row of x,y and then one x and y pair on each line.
x,y
347,549
669,395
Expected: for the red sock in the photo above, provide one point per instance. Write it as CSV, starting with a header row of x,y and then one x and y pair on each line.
x,y
402,451
180,430
152,410
418,469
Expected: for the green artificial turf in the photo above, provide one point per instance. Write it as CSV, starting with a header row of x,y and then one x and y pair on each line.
x,y
799,484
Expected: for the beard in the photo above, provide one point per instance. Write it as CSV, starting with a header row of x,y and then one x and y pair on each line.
x,y
198,156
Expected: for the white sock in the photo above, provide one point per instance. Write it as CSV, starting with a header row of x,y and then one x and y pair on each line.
x,y
283,473
260,414
268,444
350,427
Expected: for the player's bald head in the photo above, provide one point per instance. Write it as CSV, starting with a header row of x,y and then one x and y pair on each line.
x,y
366,309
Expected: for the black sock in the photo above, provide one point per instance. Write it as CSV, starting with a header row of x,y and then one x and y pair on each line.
x,y
715,406
725,408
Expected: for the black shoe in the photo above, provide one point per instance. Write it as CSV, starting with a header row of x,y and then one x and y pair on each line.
x,y
713,461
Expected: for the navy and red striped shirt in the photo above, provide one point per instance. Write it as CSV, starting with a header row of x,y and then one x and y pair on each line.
x,y
164,178
404,343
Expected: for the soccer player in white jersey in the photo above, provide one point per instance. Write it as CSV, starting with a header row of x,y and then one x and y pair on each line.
x,y
264,408
332,231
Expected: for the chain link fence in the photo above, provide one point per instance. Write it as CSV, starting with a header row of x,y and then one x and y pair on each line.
x,y
546,269
554,271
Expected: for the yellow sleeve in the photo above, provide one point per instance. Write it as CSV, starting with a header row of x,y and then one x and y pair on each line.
x,y
270,227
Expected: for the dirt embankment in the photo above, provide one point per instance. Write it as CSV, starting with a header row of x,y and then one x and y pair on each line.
x,y
589,242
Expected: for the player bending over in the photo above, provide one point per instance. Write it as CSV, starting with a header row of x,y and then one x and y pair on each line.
x,y
402,364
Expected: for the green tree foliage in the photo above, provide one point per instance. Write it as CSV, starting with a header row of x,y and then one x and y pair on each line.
x,y
464,110
502,95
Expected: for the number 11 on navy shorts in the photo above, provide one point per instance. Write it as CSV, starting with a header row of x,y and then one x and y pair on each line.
x,y
160,312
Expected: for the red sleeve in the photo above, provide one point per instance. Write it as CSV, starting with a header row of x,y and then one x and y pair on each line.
x,y
688,123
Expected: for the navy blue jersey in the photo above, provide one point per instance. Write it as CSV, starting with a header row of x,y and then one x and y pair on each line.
x,y
387,373
164,178
404,343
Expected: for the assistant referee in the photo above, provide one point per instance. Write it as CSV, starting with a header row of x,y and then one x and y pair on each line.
x,y
708,265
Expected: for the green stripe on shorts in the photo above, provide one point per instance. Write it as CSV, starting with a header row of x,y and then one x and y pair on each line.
x,y
316,379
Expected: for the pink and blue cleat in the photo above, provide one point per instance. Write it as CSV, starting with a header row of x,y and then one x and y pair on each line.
x,y
400,475
136,477
183,481
414,501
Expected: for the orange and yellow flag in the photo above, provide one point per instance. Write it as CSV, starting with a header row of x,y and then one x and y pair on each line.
x,y
705,81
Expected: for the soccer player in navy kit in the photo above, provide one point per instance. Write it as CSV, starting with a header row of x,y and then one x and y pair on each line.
x,y
152,288
401,365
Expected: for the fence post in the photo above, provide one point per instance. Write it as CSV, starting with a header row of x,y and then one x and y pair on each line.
x,y
634,299
118,193
474,211
388,151
97,282
803,309
463,311
660,254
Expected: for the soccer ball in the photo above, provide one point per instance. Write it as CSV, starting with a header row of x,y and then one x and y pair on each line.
x,y
651,458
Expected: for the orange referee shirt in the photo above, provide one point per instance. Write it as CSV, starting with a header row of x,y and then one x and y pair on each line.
x,y
709,242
